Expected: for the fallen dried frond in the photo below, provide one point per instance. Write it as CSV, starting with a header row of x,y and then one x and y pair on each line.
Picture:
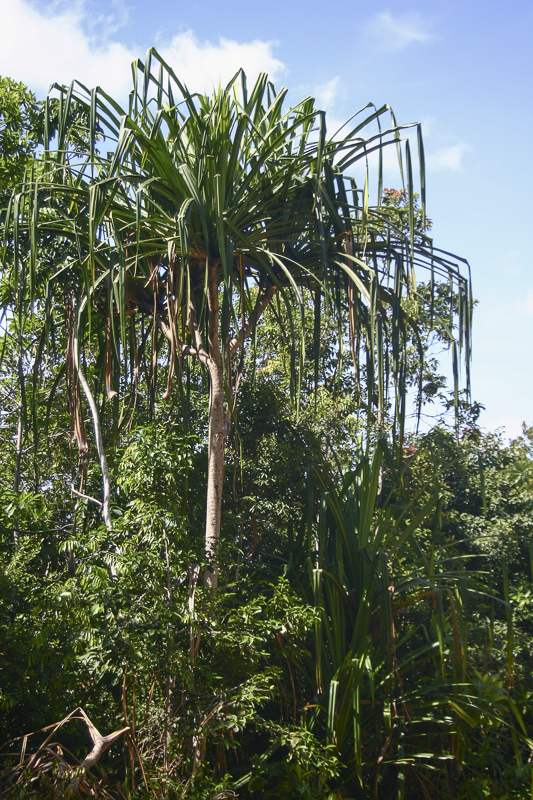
x,y
52,767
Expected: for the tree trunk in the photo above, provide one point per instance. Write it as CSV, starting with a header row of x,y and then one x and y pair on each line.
x,y
106,486
18,459
215,457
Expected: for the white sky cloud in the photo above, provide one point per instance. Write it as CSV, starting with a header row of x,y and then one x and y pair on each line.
x,y
448,158
396,31
526,305
201,65
40,47
326,93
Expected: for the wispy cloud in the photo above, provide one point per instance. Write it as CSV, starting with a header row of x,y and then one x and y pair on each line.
x,y
326,93
396,31
448,158
525,305
58,44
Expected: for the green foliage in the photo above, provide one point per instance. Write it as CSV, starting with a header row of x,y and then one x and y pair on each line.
x,y
370,663
21,122
370,636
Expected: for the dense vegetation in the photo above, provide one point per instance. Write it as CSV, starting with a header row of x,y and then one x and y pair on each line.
x,y
354,618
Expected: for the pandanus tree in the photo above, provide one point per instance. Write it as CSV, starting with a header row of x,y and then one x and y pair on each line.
x,y
173,224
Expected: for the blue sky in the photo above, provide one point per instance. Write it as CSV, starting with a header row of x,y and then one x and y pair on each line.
x,y
464,69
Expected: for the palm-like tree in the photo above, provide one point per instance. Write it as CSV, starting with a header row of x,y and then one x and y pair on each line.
x,y
206,211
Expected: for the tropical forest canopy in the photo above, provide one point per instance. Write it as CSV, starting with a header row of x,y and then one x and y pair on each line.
x,y
231,567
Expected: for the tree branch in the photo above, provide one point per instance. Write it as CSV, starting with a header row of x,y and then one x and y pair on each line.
x,y
262,302
100,743
186,349
195,333
85,496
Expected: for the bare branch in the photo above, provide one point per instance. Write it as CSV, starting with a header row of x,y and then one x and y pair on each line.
x,y
100,742
186,349
195,332
262,302
100,745
85,496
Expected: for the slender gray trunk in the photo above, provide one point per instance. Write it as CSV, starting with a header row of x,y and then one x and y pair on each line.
x,y
219,422
215,453
215,468
106,487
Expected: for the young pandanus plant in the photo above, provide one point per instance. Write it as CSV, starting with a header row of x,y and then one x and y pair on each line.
x,y
392,687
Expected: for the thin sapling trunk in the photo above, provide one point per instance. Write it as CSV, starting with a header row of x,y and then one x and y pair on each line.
x,y
217,434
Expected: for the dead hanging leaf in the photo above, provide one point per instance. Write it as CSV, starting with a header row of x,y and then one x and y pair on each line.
x,y
174,338
111,393
79,422
132,403
153,376
353,327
